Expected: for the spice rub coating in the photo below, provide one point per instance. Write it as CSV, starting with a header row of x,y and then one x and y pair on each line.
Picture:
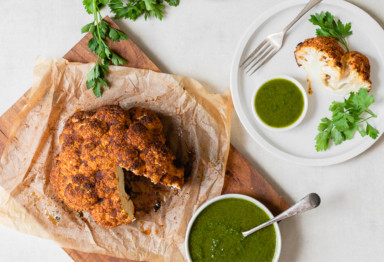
x,y
87,173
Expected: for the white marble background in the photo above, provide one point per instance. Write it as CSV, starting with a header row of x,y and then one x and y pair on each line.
x,y
198,39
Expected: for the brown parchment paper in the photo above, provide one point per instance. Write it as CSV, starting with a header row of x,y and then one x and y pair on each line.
x,y
198,128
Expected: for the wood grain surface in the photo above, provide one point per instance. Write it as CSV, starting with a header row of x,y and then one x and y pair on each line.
x,y
240,177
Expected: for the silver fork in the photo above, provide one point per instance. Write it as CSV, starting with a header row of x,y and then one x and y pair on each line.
x,y
272,43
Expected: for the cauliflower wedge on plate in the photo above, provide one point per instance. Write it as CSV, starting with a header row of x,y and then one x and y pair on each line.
x,y
329,66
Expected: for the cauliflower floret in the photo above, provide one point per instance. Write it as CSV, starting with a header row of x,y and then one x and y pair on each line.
x,y
329,66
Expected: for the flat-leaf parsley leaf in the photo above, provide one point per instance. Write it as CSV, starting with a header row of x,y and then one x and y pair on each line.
x,y
347,117
101,30
329,27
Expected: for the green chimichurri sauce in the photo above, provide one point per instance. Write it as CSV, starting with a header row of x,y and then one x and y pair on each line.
x,y
279,103
216,233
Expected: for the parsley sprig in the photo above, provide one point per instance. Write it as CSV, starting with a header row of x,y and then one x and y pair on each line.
x,y
329,27
135,8
347,117
101,30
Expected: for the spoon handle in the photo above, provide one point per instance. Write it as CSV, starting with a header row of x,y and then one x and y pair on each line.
x,y
307,203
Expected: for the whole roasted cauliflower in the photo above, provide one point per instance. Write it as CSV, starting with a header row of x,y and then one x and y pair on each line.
x,y
95,146
329,66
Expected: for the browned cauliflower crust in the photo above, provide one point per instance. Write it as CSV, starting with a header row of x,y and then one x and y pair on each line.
x,y
359,63
329,46
329,66
87,173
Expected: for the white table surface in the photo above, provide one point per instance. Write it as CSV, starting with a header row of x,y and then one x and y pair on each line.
x,y
198,39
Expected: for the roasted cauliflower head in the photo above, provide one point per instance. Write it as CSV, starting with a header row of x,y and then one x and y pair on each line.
x,y
87,174
329,66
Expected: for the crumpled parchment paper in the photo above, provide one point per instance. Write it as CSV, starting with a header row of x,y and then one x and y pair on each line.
x,y
197,128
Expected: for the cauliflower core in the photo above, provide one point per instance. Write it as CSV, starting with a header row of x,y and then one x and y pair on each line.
x,y
329,66
95,146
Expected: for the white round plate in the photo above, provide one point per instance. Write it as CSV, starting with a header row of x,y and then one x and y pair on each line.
x,y
298,145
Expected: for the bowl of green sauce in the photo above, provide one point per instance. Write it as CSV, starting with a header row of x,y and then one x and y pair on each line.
x,y
280,103
214,232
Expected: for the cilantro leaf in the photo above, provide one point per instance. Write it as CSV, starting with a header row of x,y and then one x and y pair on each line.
x,y
329,27
347,117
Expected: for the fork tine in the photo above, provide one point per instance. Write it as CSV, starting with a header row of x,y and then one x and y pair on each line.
x,y
260,58
260,53
265,60
254,51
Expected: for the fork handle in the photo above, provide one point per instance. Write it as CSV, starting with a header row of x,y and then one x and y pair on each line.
x,y
309,6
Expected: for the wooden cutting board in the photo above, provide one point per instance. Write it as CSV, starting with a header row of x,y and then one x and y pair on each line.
x,y
240,177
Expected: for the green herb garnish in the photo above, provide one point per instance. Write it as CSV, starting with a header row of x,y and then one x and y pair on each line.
x,y
329,27
347,117
101,31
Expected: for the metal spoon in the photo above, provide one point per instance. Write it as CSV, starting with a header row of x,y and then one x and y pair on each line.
x,y
307,203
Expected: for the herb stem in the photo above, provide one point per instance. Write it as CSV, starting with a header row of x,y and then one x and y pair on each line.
x,y
370,112
344,43
102,31
329,27
95,14
364,120
101,18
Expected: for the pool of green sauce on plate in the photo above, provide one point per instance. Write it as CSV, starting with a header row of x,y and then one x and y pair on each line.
x,y
216,233
279,103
